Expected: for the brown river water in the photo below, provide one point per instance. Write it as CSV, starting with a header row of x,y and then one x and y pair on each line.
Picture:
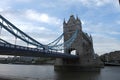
x,y
46,72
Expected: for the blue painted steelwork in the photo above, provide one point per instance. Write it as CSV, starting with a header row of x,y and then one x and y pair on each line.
x,y
20,34
55,45
3,41
16,50
65,45
56,41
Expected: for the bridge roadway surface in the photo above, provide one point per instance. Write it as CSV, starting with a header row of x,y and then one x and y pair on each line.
x,y
16,50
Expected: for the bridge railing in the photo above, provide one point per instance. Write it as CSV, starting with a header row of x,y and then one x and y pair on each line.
x,y
19,47
39,52
24,48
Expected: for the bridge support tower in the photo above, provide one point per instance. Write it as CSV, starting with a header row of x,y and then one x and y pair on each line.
x,y
82,46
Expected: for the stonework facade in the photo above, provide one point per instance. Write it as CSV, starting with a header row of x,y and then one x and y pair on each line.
x,y
83,44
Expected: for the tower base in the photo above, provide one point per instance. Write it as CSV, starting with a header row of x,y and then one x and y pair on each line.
x,y
83,64
76,68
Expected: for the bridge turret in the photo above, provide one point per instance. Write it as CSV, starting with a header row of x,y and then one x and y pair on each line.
x,y
64,23
72,24
69,29
71,20
78,23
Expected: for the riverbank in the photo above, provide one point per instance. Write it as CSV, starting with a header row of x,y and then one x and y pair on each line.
x,y
111,64
4,79
10,78
16,78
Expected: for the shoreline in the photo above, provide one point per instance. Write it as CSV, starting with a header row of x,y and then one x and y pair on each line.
x,y
4,79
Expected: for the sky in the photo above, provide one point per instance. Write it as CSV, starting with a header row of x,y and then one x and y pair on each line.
x,y
43,19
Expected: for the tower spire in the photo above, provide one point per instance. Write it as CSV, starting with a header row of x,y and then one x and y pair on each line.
x,y
71,20
78,20
64,21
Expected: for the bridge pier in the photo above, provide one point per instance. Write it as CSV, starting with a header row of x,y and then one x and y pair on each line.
x,y
76,68
84,63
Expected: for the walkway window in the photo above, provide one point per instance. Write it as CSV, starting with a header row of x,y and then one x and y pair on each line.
x,y
73,52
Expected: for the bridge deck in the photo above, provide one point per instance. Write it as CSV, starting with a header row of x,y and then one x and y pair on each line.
x,y
15,50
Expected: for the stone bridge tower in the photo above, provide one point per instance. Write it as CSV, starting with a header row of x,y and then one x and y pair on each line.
x,y
83,43
83,46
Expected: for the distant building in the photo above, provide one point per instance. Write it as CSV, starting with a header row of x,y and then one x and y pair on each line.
x,y
111,57
27,59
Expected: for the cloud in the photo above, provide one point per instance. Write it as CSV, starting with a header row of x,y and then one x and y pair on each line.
x,y
1,9
88,3
42,17
40,33
105,36
95,2
101,28
104,44
118,22
5,5
114,33
23,1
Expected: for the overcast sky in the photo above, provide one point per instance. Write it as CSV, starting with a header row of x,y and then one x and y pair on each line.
x,y
43,19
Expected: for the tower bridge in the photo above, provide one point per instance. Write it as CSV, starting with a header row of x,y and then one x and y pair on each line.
x,y
84,59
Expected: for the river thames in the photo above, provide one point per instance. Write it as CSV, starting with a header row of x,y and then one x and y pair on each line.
x,y
46,72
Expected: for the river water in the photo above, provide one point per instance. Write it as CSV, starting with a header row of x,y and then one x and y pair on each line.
x,y
46,72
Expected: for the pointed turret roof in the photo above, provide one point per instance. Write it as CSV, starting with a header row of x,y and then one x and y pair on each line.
x,y
78,20
64,21
71,20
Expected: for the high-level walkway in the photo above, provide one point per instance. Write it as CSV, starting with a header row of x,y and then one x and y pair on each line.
x,y
16,50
